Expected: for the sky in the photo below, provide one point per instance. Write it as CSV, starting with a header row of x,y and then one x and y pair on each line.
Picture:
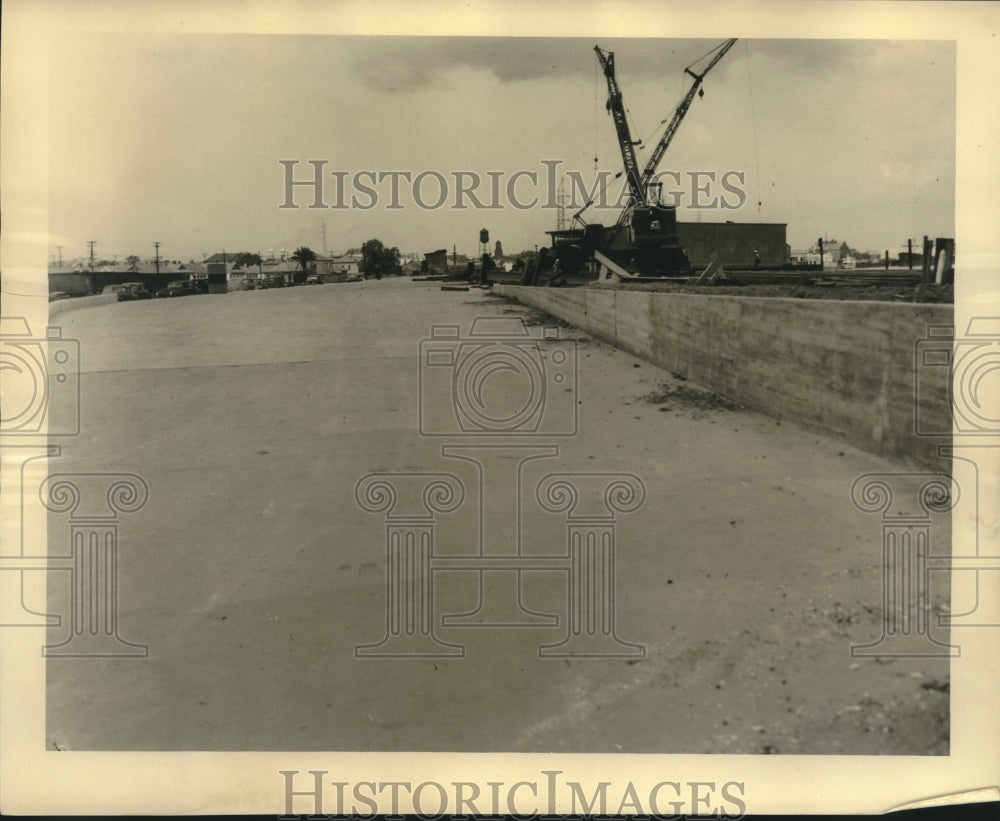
x,y
179,138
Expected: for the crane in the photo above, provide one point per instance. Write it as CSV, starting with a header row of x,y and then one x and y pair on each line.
x,y
643,181
652,246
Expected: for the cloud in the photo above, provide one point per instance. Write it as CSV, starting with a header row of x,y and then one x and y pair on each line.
x,y
404,64
410,63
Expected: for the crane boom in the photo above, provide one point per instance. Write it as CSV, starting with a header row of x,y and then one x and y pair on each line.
x,y
617,109
682,109
668,135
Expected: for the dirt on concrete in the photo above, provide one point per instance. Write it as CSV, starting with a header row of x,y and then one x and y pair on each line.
x,y
676,395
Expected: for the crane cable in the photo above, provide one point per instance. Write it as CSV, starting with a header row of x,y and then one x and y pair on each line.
x,y
680,99
753,121
597,81
706,54
665,120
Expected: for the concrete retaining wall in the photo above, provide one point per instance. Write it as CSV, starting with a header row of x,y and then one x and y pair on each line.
x,y
845,369
62,305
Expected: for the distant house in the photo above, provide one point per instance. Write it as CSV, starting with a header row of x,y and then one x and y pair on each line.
x,y
436,262
410,267
238,266
238,259
836,255
348,265
287,270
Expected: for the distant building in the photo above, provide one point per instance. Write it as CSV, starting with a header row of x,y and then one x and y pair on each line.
x,y
285,269
836,255
436,262
238,259
239,267
348,265
738,244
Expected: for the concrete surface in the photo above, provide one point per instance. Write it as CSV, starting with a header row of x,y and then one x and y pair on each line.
x,y
252,573
60,306
844,368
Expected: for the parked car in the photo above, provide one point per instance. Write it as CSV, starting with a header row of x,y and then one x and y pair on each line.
x,y
272,282
138,289
121,291
315,279
180,287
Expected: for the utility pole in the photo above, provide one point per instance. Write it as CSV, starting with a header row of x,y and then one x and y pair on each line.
x,y
60,256
323,231
92,243
156,245
909,252
821,253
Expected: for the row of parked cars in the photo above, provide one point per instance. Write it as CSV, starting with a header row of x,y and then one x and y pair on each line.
x,y
273,281
322,279
128,291
263,283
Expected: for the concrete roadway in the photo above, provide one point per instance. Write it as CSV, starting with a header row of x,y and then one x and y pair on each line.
x,y
252,573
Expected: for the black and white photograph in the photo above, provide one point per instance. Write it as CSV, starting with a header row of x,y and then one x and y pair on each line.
x,y
500,410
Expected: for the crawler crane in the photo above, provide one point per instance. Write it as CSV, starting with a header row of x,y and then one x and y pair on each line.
x,y
643,241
